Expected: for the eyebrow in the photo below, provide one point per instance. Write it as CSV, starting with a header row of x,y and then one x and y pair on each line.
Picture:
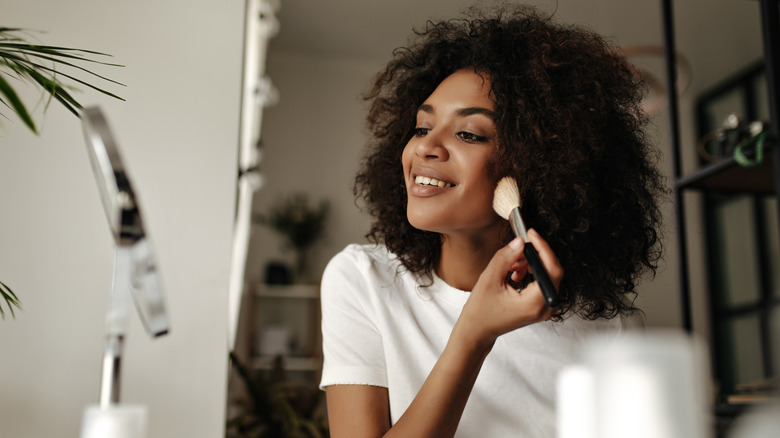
x,y
462,111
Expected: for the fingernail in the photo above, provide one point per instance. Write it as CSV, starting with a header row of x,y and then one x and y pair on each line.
x,y
516,243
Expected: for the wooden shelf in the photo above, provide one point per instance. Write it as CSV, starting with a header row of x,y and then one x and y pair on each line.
x,y
299,291
726,176
291,363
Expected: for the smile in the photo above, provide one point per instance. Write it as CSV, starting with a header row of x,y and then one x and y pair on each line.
x,y
425,181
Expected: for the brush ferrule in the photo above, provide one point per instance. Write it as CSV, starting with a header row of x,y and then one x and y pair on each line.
x,y
518,226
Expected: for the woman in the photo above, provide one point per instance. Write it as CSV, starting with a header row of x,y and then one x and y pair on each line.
x,y
438,329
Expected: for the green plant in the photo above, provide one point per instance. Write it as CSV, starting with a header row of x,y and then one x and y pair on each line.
x,y
38,65
298,222
277,407
10,299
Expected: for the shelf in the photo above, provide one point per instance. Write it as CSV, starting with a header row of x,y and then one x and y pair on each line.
x,y
727,176
754,95
290,363
300,291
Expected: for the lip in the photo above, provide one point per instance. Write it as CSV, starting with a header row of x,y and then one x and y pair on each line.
x,y
426,191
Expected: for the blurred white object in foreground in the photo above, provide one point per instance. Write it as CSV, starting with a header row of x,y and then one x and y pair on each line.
x,y
115,421
576,409
644,385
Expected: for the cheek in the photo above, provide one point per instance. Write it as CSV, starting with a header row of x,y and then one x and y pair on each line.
x,y
406,159
479,168
484,185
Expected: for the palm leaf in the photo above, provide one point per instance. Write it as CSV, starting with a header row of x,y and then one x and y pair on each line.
x,y
58,50
10,99
53,56
55,90
21,64
10,298
37,64
45,66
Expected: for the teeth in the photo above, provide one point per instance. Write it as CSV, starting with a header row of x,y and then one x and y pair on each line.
x,y
425,181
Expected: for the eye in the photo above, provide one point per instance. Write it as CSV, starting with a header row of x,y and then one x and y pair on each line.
x,y
420,132
468,137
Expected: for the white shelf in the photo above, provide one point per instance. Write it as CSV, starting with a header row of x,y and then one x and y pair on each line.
x,y
301,291
290,363
295,307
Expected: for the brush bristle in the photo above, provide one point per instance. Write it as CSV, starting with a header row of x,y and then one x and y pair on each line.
x,y
506,197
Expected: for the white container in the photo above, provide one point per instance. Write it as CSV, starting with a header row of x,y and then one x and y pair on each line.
x,y
115,421
650,384
275,340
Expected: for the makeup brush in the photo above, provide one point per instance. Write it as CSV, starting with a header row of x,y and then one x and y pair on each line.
x,y
507,203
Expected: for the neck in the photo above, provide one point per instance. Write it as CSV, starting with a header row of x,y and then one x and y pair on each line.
x,y
463,259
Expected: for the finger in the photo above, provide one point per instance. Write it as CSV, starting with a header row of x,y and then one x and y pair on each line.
x,y
520,265
506,258
519,268
510,258
532,303
547,256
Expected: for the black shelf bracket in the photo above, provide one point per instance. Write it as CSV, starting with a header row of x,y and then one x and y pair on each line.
x,y
674,129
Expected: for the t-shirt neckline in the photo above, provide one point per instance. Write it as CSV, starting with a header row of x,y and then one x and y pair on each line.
x,y
447,293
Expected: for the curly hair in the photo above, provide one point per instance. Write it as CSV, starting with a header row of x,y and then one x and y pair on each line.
x,y
570,129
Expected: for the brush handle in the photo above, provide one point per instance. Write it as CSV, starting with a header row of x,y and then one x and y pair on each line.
x,y
540,273
538,269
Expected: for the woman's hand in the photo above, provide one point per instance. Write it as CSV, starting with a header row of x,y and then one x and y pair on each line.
x,y
495,307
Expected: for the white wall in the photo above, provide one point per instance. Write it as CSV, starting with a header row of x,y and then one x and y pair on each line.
x,y
178,132
312,142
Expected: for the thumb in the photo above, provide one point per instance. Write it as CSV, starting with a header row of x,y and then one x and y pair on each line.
x,y
506,258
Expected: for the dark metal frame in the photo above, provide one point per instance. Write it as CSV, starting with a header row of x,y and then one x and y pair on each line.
x,y
771,44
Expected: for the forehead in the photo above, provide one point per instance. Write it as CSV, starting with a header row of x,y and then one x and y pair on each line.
x,y
464,88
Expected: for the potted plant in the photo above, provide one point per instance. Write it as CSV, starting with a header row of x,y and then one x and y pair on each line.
x,y
52,70
300,223
277,406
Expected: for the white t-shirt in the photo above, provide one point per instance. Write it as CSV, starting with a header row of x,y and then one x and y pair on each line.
x,y
381,328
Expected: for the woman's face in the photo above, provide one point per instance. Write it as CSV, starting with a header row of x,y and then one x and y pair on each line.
x,y
446,161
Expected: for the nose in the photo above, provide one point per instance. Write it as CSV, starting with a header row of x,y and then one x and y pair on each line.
x,y
431,146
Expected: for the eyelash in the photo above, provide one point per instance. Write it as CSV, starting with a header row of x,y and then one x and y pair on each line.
x,y
467,137
420,132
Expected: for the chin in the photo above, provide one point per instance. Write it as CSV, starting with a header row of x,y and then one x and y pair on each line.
x,y
422,223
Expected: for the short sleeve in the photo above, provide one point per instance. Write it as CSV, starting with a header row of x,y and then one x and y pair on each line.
x,y
352,345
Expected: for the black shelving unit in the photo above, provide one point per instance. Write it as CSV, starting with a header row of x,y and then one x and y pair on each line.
x,y
726,176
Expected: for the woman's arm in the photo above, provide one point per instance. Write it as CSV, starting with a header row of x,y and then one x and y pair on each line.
x,y
357,410
364,411
493,308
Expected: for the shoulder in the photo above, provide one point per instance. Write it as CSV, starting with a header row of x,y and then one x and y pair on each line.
x,y
360,267
362,254
363,259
